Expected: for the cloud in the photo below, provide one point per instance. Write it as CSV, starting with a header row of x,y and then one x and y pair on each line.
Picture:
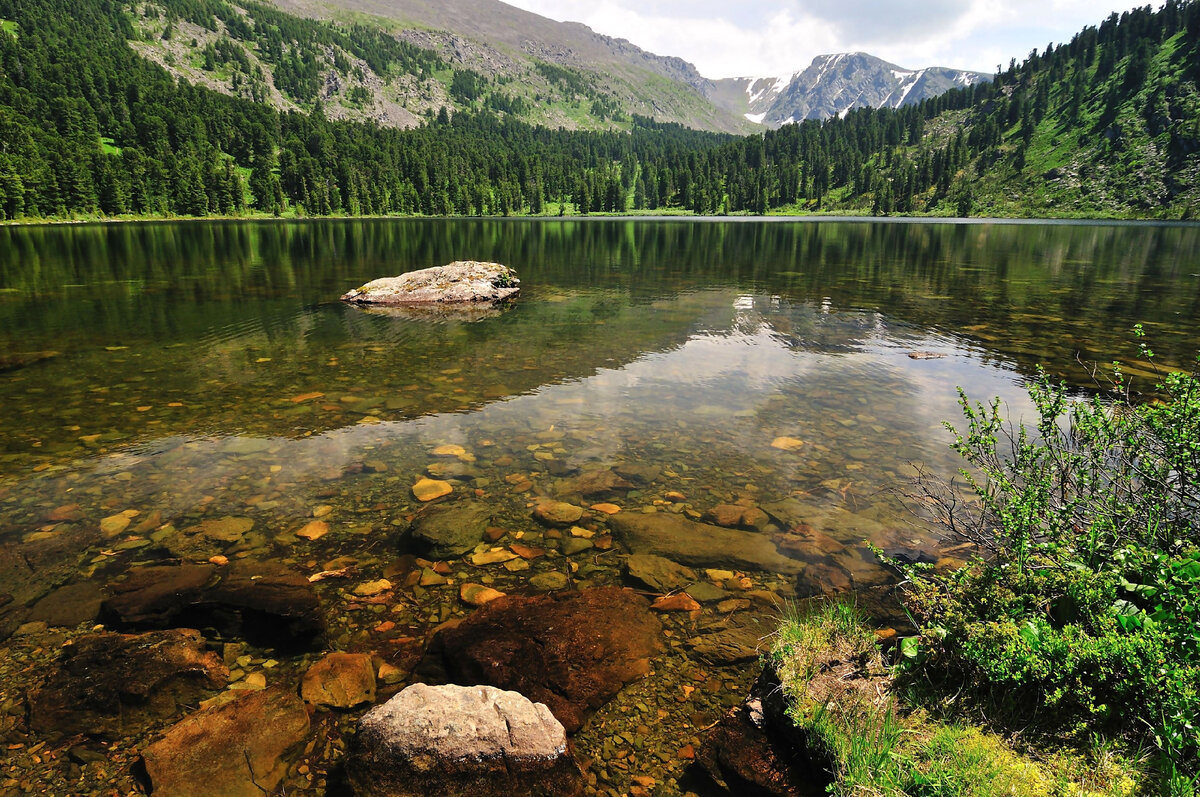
x,y
769,37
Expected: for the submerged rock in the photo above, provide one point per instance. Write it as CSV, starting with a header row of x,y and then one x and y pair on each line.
x,y
462,281
111,684
457,740
340,680
69,606
234,750
570,650
699,544
258,600
450,530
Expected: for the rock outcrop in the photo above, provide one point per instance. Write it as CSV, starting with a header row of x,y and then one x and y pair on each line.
x,y
464,281
456,740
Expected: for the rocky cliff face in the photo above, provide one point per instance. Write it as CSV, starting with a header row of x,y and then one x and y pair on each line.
x,y
833,85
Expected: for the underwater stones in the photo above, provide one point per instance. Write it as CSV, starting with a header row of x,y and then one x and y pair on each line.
x,y
450,530
428,489
596,483
738,516
110,684
550,582
637,472
739,640
456,740
477,594
69,606
233,750
679,602
464,281
658,573
787,443
571,650
339,680
745,755
227,529
574,545
557,513
698,544
313,530
256,599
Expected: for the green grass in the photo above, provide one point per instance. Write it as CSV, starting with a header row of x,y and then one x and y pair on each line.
x,y
876,744
108,147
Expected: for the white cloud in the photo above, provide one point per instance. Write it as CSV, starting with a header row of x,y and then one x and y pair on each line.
x,y
768,37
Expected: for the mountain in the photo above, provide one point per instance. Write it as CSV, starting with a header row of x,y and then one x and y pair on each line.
x,y
567,74
833,85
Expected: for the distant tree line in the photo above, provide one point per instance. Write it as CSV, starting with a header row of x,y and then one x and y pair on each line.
x,y
89,127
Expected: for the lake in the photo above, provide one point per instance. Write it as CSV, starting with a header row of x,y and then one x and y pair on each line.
x,y
194,392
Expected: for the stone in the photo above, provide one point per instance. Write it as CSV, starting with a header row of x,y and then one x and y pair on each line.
x,y
706,592
450,530
69,606
699,544
431,578
549,582
739,639
527,551
113,685
492,557
340,680
657,573
638,473
679,602
477,594
237,749
313,530
113,525
464,281
574,545
571,650
787,443
439,741
369,588
227,529
596,483
429,489
607,509
744,756
557,513
259,600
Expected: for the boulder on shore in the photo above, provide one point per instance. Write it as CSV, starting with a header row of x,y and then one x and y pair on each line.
x,y
455,740
463,281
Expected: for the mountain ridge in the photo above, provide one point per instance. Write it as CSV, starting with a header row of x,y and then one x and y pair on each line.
x,y
832,85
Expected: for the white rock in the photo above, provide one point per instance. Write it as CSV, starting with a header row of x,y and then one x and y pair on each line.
x,y
461,281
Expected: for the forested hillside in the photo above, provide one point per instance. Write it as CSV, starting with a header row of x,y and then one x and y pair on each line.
x,y
1106,125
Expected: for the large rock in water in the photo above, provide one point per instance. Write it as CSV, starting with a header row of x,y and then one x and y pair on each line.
x,y
262,601
113,685
464,281
461,740
233,750
699,544
570,650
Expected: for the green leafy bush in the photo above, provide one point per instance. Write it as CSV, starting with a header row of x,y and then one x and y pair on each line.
x,y
1082,612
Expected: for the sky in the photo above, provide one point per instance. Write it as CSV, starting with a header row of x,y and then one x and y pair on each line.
x,y
743,38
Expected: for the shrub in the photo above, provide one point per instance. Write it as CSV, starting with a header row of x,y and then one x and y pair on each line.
x,y
1083,610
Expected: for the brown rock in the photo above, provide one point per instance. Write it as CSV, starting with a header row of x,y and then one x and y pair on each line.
x,y
570,650
234,750
429,489
113,685
477,594
679,602
557,513
69,606
256,599
340,680
596,483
